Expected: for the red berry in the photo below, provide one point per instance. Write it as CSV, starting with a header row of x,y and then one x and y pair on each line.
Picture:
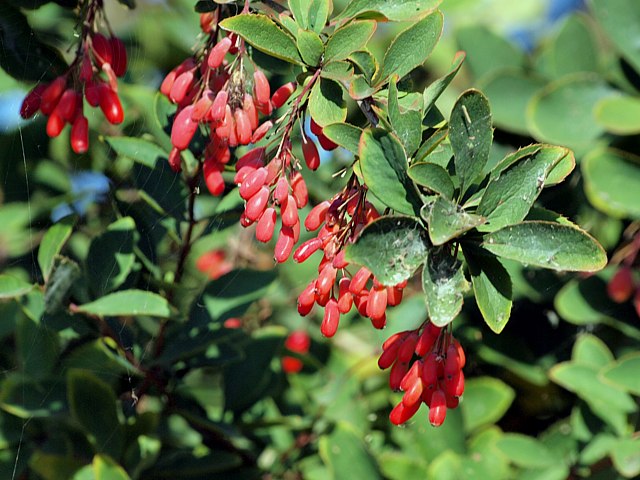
x,y
253,182
306,299
326,279
66,107
250,109
175,161
284,244
281,192
261,131
243,126
299,188
202,106
257,203
377,304
310,152
315,128
282,94
212,172
620,287
326,144
51,94
359,280
119,62
291,364
181,86
401,413
266,225
55,124
307,249
345,298
331,319
298,341
437,408
219,106
218,52
31,103
413,394
183,128
261,88
398,371
317,215
110,106
80,134
289,212
101,49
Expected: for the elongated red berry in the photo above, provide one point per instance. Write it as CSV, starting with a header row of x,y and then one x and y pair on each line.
x,y
80,134
119,51
377,304
359,280
218,52
266,225
101,49
250,109
299,189
243,126
621,287
289,212
437,408
326,144
413,393
331,319
219,106
110,106
181,86
398,371
306,299
212,172
31,103
316,216
282,94
67,105
257,204
261,131
183,128
315,128
51,94
307,249
55,124
310,152
345,298
401,413
252,183
284,245
261,88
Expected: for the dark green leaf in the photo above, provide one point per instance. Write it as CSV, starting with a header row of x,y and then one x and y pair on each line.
x,y
486,401
432,176
128,302
447,220
346,455
391,247
396,10
93,405
13,287
435,89
264,34
26,398
406,122
63,275
37,347
52,243
340,71
138,149
345,135
547,245
561,158
492,289
412,47
326,103
383,163
470,134
366,63
348,39
444,285
204,6
310,46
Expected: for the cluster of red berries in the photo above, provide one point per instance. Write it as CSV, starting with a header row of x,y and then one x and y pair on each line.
x,y
426,364
92,75
340,220
297,341
219,94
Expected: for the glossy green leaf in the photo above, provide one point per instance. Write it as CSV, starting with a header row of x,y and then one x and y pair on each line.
x,y
383,163
526,452
435,88
444,285
625,455
619,115
487,51
13,287
87,396
620,20
407,121
509,92
562,160
433,177
470,134
326,103
396,10
447,220
411,47
310,46
562,112
346,455
111,256
591,351
128,302
492,289
138,149
264,34
486,400
391,247
612,182
52,243
624,373
547,245
348,39
345,135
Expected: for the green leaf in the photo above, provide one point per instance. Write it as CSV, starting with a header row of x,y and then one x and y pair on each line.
x,y
391,247
486,400
366,63
383,163
526,452
589,350
444,285
509,93
63,275
547,245
447,220
561,158
204,6
23,55
562,112
111,256
348,39
619,115
612,182
492,289
300,10
625,455
88,396
138,149
37,348
264,34
435,88
319,11
13,287
128,302
359,88
508,198
620,19
52,243
346,455
340,71
345,135
102,468
624,373
51,466
310,46
470,134
26,398
433,177
326,104
488,52
406,122
395,11
411,47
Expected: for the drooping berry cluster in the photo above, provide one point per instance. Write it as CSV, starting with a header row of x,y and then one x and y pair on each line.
x,y
92,75
297,341
339,221
219,94
624,284
426,364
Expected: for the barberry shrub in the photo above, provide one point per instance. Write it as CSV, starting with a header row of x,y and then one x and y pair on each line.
x,y
150,331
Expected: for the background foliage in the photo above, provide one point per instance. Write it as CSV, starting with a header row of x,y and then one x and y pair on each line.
x,y
555,395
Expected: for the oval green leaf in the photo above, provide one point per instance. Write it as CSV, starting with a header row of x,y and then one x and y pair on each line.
x,y
444,285
345,135
433,177
326,102
128,302
348,39
487,399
